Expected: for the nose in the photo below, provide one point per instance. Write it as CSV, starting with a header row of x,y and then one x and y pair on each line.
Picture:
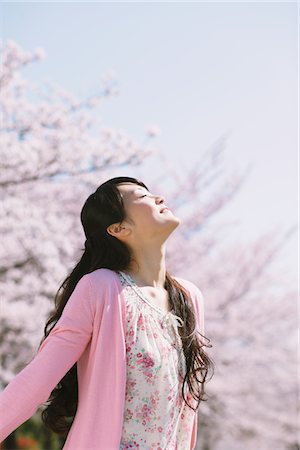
x,y
160,199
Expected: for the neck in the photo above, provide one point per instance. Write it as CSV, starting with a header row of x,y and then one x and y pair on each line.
x,y
148,267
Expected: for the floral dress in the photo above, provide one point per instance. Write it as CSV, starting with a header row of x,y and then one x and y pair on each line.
x,y
155,414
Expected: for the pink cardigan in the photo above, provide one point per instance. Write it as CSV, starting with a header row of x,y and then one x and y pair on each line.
x,y
91,332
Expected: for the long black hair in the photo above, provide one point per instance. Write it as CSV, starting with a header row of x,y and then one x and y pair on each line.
x,y
102,250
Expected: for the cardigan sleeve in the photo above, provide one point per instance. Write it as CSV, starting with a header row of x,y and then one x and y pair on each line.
x,y
32,387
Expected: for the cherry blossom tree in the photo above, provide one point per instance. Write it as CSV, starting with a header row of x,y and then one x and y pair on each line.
x,y
54,152
250,318
253,328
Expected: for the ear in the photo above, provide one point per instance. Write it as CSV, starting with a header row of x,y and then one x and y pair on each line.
x,y
117,230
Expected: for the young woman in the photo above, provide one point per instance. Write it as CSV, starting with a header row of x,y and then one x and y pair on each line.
x,y
121,363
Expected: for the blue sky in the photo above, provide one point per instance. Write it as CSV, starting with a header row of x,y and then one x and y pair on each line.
x,y
198,71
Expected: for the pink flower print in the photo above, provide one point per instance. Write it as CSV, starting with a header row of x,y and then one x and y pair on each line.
x,y
178,401
131,445
154,445
160,429
132,383
146,361
140,321
129,414
145,410
144,413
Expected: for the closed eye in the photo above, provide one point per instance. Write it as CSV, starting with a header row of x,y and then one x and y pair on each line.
x,y
145,195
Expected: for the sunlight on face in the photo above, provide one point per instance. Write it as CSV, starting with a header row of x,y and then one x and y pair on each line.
x,y
144,210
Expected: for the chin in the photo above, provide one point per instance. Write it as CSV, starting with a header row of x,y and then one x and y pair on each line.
x,y
175,223
177,220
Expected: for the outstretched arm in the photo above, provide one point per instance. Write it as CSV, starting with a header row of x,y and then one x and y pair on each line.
x,y
57,354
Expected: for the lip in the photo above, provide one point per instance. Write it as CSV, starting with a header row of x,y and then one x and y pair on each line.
x,y
164,209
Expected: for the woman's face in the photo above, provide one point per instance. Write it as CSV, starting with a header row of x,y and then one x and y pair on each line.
x,y
144,212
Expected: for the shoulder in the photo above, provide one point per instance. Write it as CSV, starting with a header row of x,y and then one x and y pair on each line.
x,y
101,281
196,298
191,287
103,275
